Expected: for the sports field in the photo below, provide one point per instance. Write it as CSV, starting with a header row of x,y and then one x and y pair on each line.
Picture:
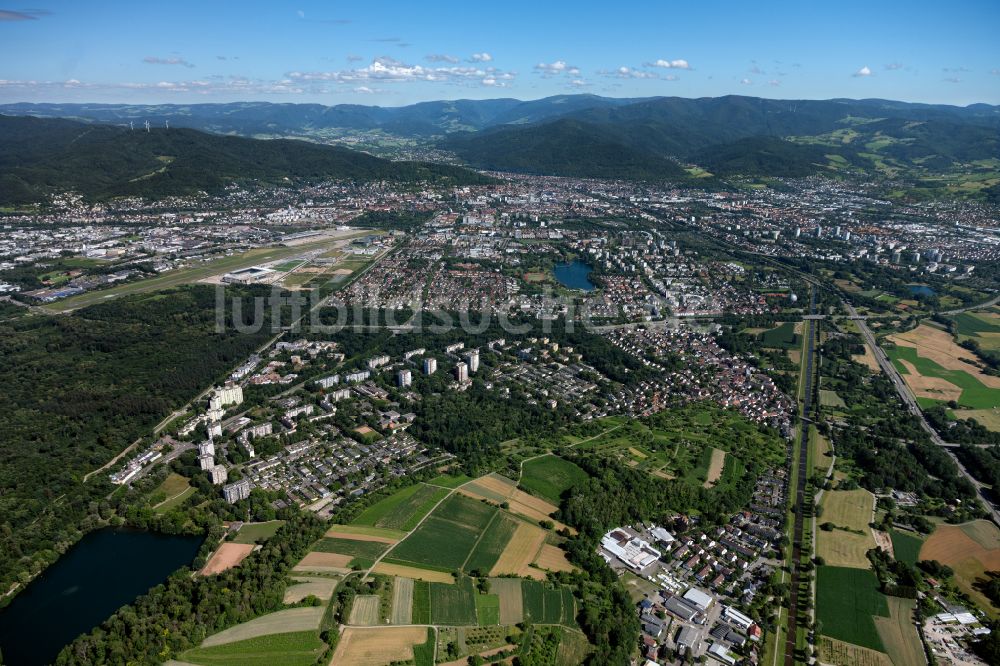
x,y
847,602
851,512
550,476
300,648
226,556
257,532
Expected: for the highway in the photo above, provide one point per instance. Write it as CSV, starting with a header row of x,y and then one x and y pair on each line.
x,y
911,403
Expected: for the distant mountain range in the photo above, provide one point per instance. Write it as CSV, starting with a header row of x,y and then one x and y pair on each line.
x,y
588,135
43,155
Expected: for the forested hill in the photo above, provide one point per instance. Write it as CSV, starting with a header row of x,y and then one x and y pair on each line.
x,y
563,148
41,155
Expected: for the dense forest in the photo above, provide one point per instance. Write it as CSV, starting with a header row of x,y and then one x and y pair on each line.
x,y
40,156
78,390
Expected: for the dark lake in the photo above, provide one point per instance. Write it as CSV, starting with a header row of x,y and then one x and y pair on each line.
x,y
920,290
574,275
104,571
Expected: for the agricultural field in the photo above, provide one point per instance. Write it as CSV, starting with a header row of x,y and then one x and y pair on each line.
x,y
906,546
361,551
280,622
487,609
449,480
300,648
522,550
304,586
403,509
448,536
782,336
847,602
365,610
421,607
257,532
831,399
454,604
402,601
550,476
498,489
936,368
970,549
898,633
378,646
174,490
839,653
850,511
511,597
983,327
364,533
716,464
491,544
418,573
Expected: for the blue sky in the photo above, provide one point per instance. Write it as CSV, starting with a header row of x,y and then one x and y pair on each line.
x,y
393,53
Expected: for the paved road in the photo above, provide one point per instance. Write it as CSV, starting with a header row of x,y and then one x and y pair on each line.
x,y
993,301
798,529
911,403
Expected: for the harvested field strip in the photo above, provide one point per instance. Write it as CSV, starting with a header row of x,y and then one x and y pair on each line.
x,y
321,588
511,599
322,561
283,621
553,558
377,646
715,468
364,612
402,601
392,569
522,549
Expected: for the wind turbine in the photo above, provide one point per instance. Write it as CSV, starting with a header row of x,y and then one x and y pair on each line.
x,y
130,126
168,124
147,127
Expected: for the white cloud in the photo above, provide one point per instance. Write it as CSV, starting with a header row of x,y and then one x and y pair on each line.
x,y
481,57
953,79
629,73
893,66
864,71
670,64
441,57
579,83
389,70
746,82
153,60
774,83
995,71
556,68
